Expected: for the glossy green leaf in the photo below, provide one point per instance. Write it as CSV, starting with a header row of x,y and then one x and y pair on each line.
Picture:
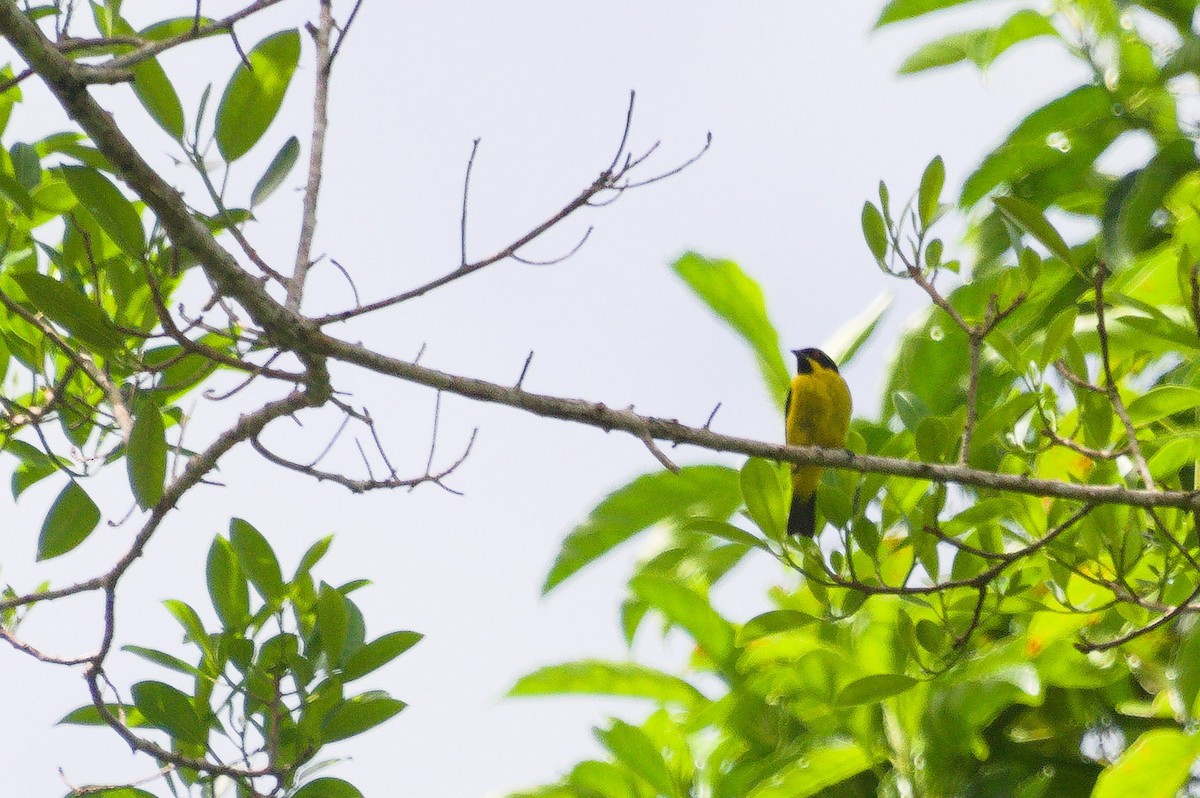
x,y
156,94
116,215
981,46
705,491
88,715
122,792
333,622
900,10
169,709
1029,219
227,585
146,455
1136,201
725,531
819,769
634,749
736,298
774,622
688,609
165,660
1157,765
72,517
189,619
848,339
873,689
874,231
595,677
258,560
929,196
281,165
254,93
359,714
766,491
378,653
63,305
1161,402
327,787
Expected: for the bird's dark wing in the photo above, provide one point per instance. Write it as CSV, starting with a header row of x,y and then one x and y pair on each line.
x,y
787,404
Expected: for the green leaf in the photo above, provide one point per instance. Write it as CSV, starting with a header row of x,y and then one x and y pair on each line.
x,y
819,768
72,517
765,491
874,231
725,531
191,623
982,46
1028,218
688,609
636,751
1057,333
258,560
707,491
910,408
227,585
1129,213
900,10
165,660
845,342
773,622
122,792
254,93
1157,765
116,215
378,653
169,709
595,677
156,94
277,172
737,299
88,715
146,455
63,305
314,554
873,689
1177,452
327,787
929,197
1161,402
333,622
358,714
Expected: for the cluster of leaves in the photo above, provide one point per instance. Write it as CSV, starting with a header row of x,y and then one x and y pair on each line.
x,y
85,331
268,688
97,357
935,642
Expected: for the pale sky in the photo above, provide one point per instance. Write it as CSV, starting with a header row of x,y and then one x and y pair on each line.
x,y
806,117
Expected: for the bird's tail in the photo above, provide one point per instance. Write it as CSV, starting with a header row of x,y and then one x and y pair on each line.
x,y
802,520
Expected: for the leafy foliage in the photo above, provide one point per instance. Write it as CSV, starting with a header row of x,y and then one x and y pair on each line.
x,y
942,640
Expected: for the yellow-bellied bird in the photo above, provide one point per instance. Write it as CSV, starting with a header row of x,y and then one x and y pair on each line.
x,y
817,413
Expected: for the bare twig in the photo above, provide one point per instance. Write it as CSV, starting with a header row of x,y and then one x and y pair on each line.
x,y
316,157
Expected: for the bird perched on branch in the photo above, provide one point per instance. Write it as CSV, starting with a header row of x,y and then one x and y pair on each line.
x,y
817,413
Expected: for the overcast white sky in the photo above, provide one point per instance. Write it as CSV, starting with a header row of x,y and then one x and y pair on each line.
x,y
806,117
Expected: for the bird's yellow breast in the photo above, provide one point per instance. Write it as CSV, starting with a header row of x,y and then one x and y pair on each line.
x,y
818,414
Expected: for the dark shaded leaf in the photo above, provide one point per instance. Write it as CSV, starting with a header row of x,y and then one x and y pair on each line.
x,y
72,517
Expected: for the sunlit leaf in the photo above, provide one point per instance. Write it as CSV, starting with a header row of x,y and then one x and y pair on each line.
x,y
254,93
735,297
595,677
705,491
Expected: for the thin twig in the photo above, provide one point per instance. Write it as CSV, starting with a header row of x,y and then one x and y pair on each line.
x,y
316,157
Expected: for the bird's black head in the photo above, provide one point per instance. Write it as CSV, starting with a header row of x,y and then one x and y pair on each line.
x,y
806,357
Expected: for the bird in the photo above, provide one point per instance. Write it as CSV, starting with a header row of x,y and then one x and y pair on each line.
x,y
816,413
